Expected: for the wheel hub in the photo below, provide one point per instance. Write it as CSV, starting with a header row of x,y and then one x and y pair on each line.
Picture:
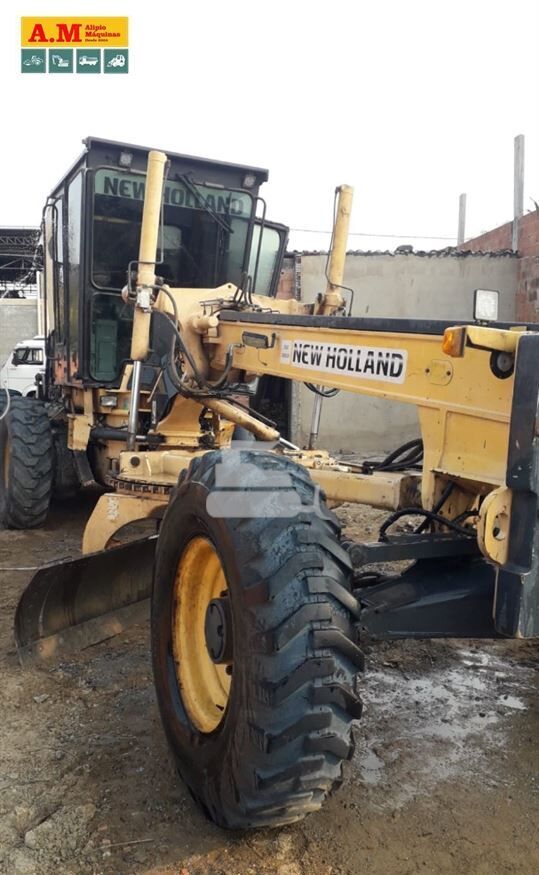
x,y
218,630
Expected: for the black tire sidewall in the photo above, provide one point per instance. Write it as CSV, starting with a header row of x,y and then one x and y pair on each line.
x,y
185,519
4,440
32,512
287,727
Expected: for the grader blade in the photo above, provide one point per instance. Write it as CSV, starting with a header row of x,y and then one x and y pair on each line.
x,y
76,603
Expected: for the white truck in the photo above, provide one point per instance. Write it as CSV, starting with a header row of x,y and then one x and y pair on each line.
x,y
22,366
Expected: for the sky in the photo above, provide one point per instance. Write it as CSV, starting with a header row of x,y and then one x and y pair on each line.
x,y
411,103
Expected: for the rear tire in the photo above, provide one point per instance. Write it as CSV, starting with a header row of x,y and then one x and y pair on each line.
x,y
287,725
66,482
26,464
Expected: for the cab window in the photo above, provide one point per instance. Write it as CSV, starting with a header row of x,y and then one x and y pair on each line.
x,y
204,235
204,238
268,247
27,355
264,259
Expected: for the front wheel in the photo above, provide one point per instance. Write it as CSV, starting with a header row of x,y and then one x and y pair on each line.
x,y
253,639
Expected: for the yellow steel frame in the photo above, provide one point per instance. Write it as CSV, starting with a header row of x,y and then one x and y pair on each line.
x,y
464,407
464,413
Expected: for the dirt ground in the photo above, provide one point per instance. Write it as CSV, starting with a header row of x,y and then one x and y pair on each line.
x,y
445,778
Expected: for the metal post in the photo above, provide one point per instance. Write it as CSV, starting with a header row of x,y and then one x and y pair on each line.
x,y
39,301
461,234
518,189
335,276
315,421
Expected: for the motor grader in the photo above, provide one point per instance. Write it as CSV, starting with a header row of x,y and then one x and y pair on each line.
x,y
160,274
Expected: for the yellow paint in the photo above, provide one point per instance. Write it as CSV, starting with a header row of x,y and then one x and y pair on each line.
x,y
333,299
493,527
204,686
95,31
115,510
389,491
499,339
440,372
149,233
78,431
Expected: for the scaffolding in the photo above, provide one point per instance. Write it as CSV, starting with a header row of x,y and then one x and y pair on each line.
x,y
19,255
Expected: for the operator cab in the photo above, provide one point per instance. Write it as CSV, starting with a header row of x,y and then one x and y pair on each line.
x,y
213,232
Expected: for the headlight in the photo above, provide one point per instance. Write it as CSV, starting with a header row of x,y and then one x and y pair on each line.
x,y
485,305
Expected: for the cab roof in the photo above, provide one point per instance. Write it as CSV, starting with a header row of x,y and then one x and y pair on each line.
x,y
100,152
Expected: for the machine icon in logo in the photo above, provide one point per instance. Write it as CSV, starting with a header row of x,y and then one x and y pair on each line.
x,y
34,61
116,61
58,61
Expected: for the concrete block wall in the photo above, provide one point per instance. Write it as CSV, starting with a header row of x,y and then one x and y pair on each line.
x,y
18,321
428,286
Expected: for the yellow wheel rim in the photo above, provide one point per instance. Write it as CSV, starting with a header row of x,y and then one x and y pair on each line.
x,y
204,685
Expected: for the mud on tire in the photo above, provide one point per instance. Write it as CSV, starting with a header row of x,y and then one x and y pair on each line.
x,y
287,728
26,464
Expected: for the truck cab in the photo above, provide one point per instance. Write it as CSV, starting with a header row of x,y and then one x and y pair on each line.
x,y
22,367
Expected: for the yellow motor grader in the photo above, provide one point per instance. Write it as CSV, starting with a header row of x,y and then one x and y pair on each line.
x,y
161,318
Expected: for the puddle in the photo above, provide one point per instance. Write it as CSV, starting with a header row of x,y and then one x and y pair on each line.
x,y
513,702
370,766
420,730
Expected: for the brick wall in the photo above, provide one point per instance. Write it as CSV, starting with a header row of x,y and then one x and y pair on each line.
x,y
491,241
527,296
527,302
528,235
286,286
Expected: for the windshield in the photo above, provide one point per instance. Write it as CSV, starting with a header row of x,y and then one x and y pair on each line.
x,y
27,355
204,236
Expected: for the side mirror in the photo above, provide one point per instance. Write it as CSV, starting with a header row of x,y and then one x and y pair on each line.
x,y
485,305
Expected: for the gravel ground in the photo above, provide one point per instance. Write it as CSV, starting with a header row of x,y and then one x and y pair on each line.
x,y
444,779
